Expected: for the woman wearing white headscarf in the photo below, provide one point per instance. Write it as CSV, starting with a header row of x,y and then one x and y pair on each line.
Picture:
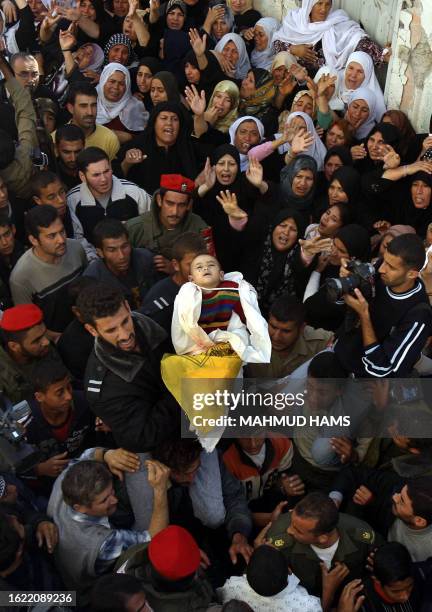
x,y
262,55
242,63
361,113
352,79
119,109
244,159
338,34
316,150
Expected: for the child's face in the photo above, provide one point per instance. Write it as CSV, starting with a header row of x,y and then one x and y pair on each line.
x,y
206,272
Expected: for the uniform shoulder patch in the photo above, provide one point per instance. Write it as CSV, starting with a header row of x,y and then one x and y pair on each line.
x,y
277,541
367,536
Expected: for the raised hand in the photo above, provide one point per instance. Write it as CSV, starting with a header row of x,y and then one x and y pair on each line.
x,y
299,73
228,201
67,39
10,11
71,14
198,44
209,175
358,152
390,158
248,34
316,245
286,86
324,83
196,101
255,172
301,142
133,6
52,17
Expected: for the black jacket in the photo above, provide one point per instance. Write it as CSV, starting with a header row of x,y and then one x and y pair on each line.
x,y
126,390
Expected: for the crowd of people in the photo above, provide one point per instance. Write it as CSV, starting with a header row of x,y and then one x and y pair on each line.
x,y
185,184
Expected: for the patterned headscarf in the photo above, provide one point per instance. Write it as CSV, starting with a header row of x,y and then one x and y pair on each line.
x,y
119,39
258,103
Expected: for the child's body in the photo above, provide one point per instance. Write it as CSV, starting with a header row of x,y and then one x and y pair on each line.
x,y
220,298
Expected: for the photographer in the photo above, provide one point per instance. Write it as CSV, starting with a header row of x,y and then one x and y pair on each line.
x,y
16,165
394,325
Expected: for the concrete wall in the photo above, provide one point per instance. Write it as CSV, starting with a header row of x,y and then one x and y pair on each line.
x,y
409,82
408,25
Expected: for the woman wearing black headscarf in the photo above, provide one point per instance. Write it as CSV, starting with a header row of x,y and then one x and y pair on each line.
x,y
230,231
335,158
344,187
141,79
351,241
165,147
383,193
297,185
418,210
283,266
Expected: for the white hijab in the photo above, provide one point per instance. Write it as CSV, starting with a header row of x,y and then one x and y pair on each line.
x,y
363,93
128,109
263,59
340,35
243,65
336,103
370,80
244,159
317,149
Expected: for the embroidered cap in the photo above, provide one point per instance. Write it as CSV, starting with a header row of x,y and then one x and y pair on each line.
x,y
176,182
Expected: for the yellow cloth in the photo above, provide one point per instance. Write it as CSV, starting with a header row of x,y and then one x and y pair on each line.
x,y
218,362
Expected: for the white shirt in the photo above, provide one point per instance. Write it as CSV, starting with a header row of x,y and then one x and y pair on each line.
x,y
294,598
326,554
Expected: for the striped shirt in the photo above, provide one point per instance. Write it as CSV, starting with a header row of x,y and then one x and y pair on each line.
x,y
218,306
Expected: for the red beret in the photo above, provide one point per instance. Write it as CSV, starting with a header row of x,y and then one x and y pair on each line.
x,y
173,553
176,182
21,317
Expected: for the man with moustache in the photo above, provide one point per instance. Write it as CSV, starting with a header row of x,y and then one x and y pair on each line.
x,y
169,217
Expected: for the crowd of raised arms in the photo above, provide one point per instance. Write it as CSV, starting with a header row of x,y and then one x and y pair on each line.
x,y
190,190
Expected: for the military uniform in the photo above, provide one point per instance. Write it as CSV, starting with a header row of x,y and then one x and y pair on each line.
x,y
356,540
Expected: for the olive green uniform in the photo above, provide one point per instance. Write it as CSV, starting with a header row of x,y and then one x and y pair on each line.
x,y
356,540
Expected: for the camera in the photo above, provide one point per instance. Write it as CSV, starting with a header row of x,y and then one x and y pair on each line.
x,y
362,277
15,453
